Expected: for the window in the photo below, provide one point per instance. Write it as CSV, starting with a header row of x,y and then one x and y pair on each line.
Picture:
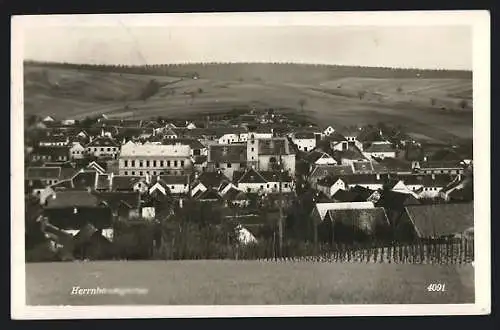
x,y
102,149
95,149
140,163
132,163
173,187
125,163
305,148
126,173
175,163
140,173
182,163
252,158
161,163
108,149
133,172
229,165
286,185
168,163
268,185
275,185
261,187
154,163
252,149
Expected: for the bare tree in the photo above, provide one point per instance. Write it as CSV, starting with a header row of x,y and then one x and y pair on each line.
x,y
433,101
399,89
361,94
463,104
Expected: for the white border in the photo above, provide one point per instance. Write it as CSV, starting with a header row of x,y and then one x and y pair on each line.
x,y
478,20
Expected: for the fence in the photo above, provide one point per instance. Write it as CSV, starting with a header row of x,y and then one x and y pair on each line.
x,y
425,252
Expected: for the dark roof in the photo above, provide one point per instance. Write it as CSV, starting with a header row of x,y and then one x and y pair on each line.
x,y
193,143
209,194
200,160
234,194
363,179
366,220
446,155
362,192
271,176
103,141
117,199
54,139
320,171
273,146
335,137
174,179
441,219
121,182
380,147
304,135
440,180
363,166
395,200
395,164
352,153
347,196
453,164
42,173
53,151
314,155
212,179
84,179
72,198
228,153
103,182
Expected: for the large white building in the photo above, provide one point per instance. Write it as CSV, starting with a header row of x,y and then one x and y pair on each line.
x,y
153,159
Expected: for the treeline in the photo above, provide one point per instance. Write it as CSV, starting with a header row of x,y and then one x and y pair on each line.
x,y
264,71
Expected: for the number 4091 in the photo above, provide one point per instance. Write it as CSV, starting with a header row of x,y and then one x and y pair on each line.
x,y
434,287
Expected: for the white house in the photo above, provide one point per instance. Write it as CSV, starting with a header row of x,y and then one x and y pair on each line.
x,y
77,151
253,181
229,138
330,185
48,119
191,126
316,157
321,209
68,122
305,141
103,147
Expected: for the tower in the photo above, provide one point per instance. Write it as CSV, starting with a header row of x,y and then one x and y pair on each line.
x,y
252,151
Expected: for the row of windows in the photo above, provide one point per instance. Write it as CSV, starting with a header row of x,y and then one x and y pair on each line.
x,y
49,157
154,173
104,149
262,186
153,163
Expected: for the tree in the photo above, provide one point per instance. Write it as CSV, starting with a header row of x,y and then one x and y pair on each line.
x,y
361,94
433,101
200,90
302,103
399,89
463,104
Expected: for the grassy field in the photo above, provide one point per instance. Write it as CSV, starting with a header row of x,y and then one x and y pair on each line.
x,y
429,106
247,282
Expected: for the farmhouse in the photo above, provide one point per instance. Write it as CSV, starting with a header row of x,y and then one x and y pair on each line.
x,y
253,181
330,185
380,149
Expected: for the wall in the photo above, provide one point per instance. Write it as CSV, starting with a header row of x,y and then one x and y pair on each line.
x,y
103,152
169,163
305,144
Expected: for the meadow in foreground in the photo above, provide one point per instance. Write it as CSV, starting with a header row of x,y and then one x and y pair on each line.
x,y
247,283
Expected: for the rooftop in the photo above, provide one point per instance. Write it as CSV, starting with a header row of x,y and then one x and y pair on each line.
x,y
136,149
227,153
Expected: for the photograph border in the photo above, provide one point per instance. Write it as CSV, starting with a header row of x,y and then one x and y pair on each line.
x,y
479,20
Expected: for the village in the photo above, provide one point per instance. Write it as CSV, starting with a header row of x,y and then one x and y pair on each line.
x,y
248,184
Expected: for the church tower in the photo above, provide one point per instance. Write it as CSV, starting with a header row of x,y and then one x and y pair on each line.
x,y
252,151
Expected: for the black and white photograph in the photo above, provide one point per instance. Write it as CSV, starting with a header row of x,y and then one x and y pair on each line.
x,y
250,164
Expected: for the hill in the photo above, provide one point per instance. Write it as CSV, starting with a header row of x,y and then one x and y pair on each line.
x,y
431,104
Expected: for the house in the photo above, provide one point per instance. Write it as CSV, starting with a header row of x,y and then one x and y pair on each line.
x,y
68,122
229,138
124,205
122,183
227,158
174,184
77,150
269,154
206,180
438,220
370,181
305,141
394,165
438,167
253,181
380,149
170,134
330,185
37,178
153,159
209,195
460,189
190,126
427,186
54,141
103,147
50,154
349,156
356,194
394,204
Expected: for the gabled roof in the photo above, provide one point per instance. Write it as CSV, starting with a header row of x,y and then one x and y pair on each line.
x,y
363,166
54,139
119,199
352,153
84,179
273,146
363,179
53,151
103,141
315,155
103,182
271,176
209,194
227,153
42,173
347,196
395,200
175,179
441,219
248,176
335,137
303,135
234,194
441,164
394,164
322,208
211,179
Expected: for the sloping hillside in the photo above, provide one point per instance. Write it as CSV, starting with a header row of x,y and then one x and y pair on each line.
x,y
439,108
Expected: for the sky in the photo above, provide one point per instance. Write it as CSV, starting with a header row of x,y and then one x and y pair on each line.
x,y
426,47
